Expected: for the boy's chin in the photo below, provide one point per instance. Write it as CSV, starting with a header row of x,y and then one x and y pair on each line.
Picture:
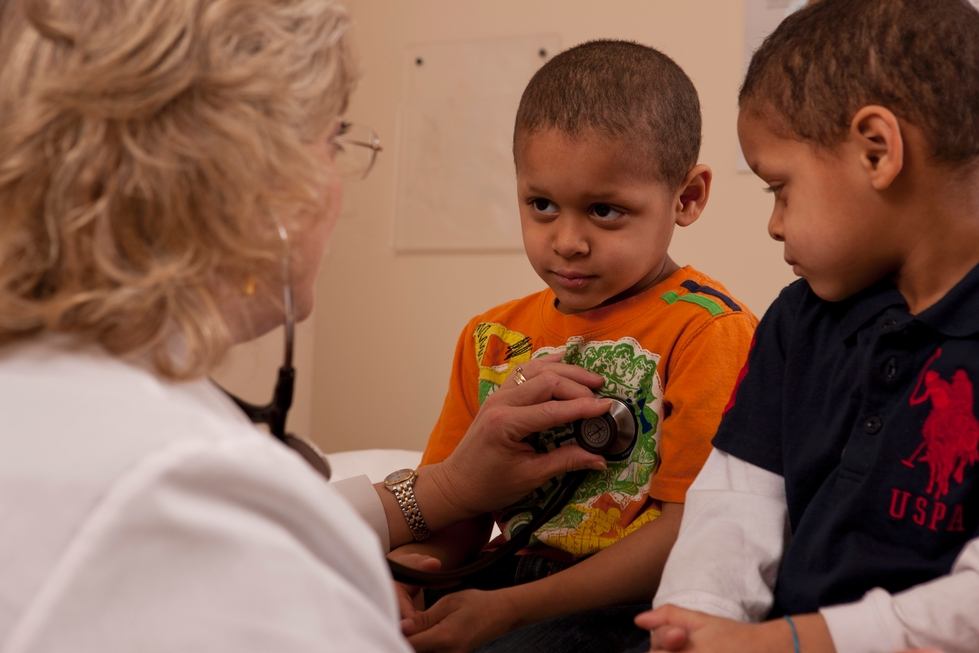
x,y
830,291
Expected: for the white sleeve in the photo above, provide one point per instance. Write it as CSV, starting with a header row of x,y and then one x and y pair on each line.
x,y
216,546
360,494
943,613
731,540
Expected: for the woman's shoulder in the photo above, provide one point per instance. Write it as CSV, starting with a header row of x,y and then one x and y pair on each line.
x,y
79,398
77,417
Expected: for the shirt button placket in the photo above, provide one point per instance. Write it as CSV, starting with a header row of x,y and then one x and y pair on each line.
x,y
872,424
889,370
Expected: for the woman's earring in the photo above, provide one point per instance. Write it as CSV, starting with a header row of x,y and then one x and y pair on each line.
x,y
249,286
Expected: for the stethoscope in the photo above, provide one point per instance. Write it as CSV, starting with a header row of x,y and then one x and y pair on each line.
x,y
274,413
612,434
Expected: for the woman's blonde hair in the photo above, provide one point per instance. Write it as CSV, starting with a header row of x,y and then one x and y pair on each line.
x,y
146,149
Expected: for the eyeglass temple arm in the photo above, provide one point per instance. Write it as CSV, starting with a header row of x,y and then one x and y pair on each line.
x,y
371,145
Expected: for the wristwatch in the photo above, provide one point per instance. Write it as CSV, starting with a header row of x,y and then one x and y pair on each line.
x,y
402,484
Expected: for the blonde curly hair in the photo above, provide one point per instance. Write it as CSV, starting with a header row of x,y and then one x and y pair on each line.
x,y
147,148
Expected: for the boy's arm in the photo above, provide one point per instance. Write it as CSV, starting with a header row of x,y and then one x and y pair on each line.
x,y
628,571
729,546
725,563
941,613
700,374
625,572
735,525
731,539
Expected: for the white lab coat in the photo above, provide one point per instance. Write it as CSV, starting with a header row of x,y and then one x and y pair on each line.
x,y
143,515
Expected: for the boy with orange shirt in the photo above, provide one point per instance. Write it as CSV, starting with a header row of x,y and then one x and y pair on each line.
x,y
605,144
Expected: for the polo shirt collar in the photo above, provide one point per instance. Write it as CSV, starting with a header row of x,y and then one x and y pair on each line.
x,y
955,315
868,304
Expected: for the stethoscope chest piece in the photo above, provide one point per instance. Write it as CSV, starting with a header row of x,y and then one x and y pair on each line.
x,y
611,434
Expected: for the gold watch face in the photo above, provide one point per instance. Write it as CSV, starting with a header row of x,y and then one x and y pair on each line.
x,y
399,476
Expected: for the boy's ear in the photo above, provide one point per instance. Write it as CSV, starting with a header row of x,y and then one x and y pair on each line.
x,y
692,196
876,132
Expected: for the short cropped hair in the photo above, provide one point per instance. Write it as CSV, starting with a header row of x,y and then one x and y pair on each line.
x,y
147,150
623,90
920,59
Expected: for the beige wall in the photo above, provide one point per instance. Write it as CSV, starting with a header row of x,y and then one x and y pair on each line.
x,y
374,365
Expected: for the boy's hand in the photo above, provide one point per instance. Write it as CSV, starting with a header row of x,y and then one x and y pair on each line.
x,y
677,629
461,622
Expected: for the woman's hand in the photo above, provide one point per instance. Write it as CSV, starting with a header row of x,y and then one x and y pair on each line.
x,y
492,466
410,599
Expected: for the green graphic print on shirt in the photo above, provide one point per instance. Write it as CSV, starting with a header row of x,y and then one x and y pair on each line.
x,y
608,505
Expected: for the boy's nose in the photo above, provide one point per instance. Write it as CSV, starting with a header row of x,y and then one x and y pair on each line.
x,y
570,239
775,227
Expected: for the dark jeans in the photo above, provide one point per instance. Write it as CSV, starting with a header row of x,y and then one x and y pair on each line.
x,y
603,630
514,570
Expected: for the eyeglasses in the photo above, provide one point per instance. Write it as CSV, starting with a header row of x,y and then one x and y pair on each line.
x,y
356,150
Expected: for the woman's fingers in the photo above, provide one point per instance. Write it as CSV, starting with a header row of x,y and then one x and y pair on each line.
x,y
538,405
554,395
551,363
492,466
556,381
547,414
568,458
421,561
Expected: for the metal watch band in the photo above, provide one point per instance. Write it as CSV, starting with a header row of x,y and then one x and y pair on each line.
x,y
404,494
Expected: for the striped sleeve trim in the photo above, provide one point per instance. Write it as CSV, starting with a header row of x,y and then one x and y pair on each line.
x,y
703,296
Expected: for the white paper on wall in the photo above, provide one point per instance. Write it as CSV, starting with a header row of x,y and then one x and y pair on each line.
x,y
456,188
761,17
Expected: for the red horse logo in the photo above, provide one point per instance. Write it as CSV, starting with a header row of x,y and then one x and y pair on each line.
x,y
950,435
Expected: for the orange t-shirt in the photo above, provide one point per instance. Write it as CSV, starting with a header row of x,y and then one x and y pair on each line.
x,y
672,352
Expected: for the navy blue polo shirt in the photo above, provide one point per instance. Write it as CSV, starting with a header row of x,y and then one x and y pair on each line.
x,y
869,414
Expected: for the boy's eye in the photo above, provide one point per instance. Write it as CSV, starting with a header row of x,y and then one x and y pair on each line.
x,y
543,205
774,189
605,211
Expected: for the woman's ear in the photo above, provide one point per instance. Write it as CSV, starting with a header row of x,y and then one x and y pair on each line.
x,y
692,195
876,133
